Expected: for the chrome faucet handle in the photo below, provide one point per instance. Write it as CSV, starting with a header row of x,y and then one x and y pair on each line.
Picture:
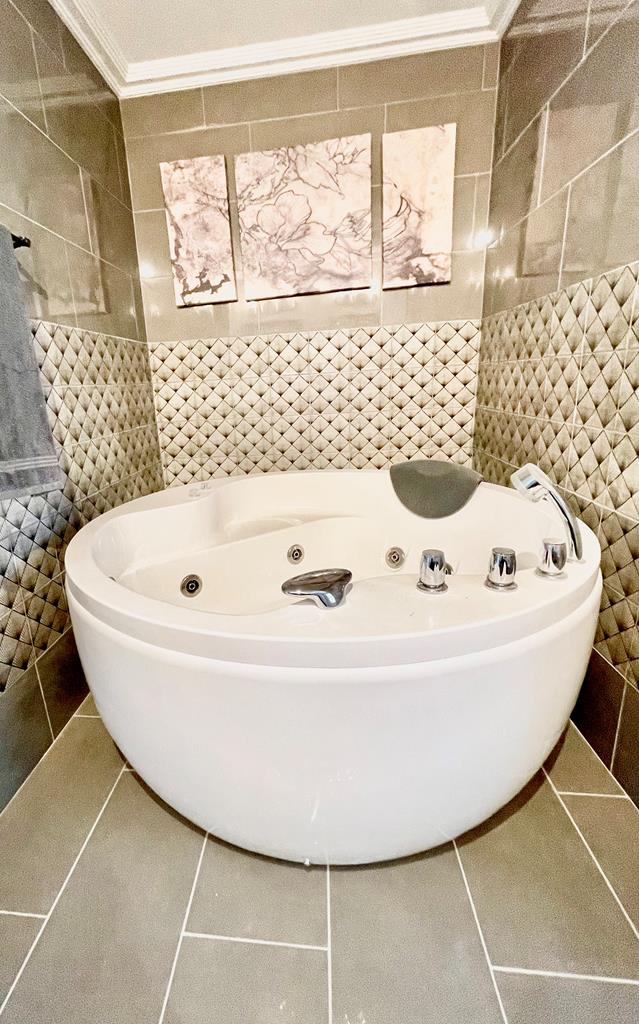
x,y
327,587
501,569
554,557
432,572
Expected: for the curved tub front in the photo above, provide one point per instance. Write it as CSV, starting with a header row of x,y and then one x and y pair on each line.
x,y
378,729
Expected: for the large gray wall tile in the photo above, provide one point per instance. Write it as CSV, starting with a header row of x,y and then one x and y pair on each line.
x,y
243,895
43,829
596,712
107,951
224,982
540,899
405,945
625,765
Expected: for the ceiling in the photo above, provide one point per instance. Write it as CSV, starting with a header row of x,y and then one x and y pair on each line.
x,y
150,46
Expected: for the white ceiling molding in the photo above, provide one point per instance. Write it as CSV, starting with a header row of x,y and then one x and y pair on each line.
x,y
468,27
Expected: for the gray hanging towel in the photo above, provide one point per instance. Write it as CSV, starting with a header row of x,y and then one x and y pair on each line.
x,y
28,462
433,489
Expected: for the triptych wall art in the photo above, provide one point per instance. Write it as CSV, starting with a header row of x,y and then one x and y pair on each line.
x,y
304,216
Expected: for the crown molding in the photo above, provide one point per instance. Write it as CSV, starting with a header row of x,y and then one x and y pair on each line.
x,y
447,30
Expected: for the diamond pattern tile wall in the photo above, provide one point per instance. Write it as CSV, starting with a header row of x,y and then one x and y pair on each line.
x,y
558,384
101,410
357,397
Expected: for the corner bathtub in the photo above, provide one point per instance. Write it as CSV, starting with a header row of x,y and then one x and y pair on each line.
x,y
362,733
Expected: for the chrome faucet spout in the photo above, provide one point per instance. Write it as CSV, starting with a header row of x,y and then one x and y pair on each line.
x,y
533,483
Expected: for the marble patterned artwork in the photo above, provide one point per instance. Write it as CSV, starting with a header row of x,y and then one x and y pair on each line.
x,y
197,217
305,217
417,228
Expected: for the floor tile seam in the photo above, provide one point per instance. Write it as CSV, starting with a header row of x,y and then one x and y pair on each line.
x,y
595,861
185,919
598,796
59,894
21,913
245,940
480,932
569,975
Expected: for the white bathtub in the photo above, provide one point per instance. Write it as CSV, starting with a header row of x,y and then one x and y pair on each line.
x,y
362,733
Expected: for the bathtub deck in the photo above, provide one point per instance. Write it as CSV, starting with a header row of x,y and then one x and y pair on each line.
x,y
114,910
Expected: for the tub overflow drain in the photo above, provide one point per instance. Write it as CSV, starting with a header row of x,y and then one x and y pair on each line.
x,y
295,554
191,585
395,557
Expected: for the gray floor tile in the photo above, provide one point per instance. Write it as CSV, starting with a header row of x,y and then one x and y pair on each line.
x,y
573,766
87,707
540,899
247,896
24,733
405,946
63,682
239,983
106,953
43,829
16,936
530,999
611,828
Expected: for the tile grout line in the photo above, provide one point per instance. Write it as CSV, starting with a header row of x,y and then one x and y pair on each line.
x,y
329,946
530,971
183,929
21,913
480,933
618,729
599,796
633,927
59,895
243,940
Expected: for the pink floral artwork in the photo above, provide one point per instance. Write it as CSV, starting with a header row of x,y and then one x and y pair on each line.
x,y
305,217
417,227
197,217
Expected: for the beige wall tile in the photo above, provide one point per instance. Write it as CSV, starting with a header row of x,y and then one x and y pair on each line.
x,y
280,96
165,322
406,78
474,115
544,59
44,20
18,71
38,180
167,112
153,244
603,221
463,212
459,300
482,203
102,295
597,107
90,79
516,179
145,154
77,124
297,131
43,269
111,226
491,66
357,308
601,14
526,262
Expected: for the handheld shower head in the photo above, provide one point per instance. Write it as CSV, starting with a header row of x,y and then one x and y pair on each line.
x,y
533,483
